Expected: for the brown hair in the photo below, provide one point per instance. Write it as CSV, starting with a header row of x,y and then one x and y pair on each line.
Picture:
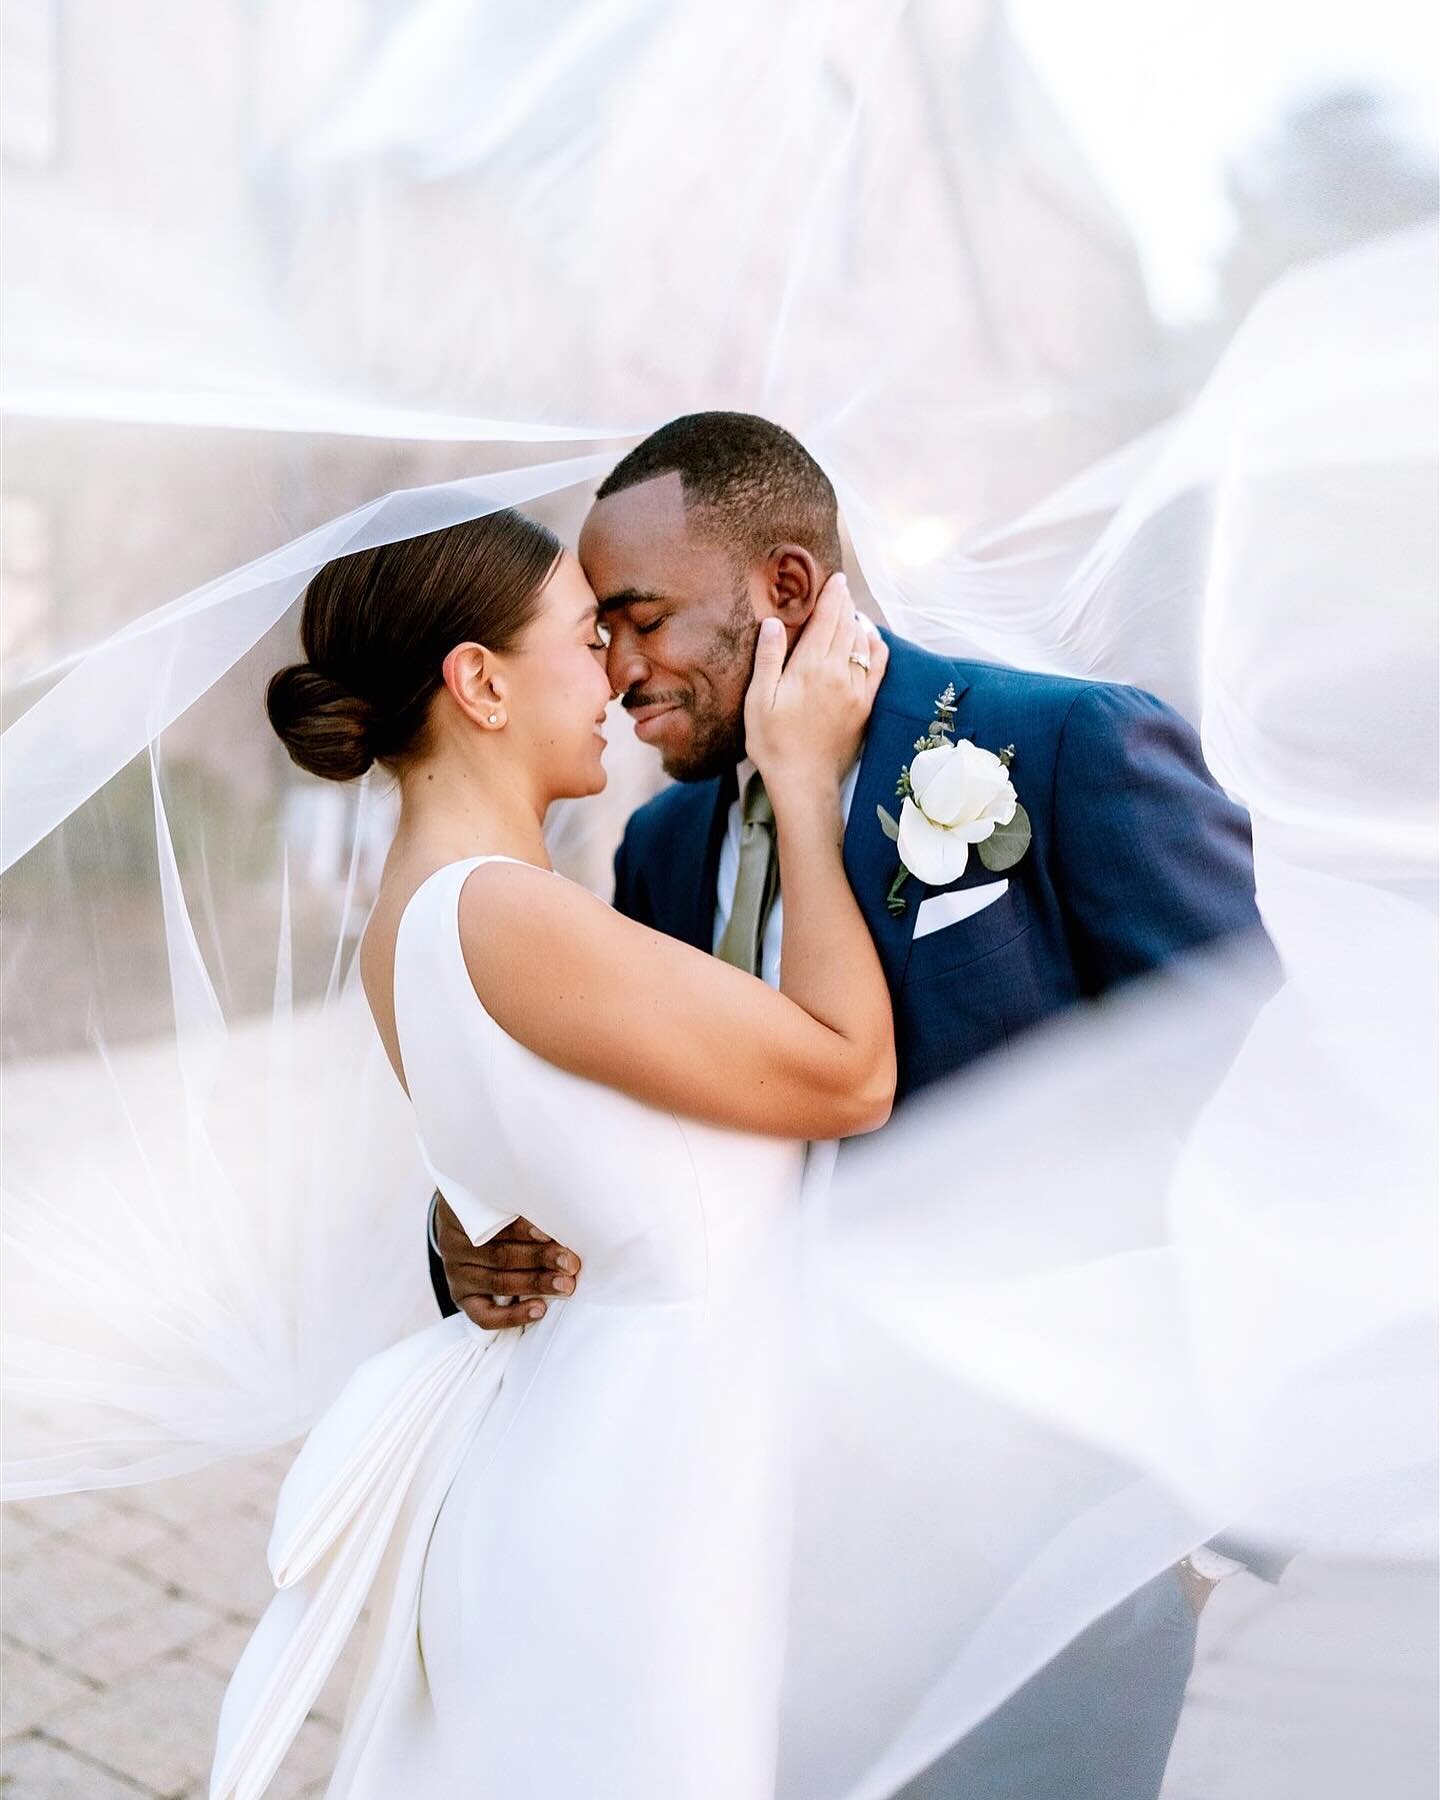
x,y
377,626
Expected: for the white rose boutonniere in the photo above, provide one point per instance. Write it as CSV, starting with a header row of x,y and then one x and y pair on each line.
x,y
955,795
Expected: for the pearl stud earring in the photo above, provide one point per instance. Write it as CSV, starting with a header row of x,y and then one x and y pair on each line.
x,y
494,718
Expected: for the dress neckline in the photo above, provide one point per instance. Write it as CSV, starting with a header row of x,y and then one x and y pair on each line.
x,y
461,862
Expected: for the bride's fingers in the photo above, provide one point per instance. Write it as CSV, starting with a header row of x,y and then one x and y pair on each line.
x,y
835,600
851,649
769,665
866,656
879,653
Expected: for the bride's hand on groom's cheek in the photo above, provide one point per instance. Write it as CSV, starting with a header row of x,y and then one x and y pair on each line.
x,y
504,1282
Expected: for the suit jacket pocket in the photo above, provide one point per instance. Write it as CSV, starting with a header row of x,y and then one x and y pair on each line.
x,y
943,910
943,942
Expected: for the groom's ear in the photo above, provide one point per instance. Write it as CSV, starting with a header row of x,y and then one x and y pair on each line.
x,y
794,580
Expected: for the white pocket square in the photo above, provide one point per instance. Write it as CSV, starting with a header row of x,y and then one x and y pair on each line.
x,y
941,910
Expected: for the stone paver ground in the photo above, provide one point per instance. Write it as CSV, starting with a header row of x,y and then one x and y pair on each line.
x,y
121,1616
124,1612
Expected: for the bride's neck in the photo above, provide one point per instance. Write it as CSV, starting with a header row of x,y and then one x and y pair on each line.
x,y
452,810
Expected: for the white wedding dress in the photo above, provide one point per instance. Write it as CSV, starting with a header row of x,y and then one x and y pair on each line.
x,y
570,1537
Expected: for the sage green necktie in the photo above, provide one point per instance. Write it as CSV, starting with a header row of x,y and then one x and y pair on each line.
x,y
756,881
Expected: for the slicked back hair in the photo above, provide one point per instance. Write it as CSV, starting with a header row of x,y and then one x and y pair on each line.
x,y
747,484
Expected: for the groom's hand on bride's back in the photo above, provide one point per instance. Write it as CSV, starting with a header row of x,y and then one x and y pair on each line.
x,y
506,1281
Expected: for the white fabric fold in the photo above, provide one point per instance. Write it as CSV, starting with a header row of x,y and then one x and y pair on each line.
x,y
395,1435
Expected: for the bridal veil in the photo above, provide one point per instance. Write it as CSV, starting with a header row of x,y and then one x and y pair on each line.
x,y
1169,1269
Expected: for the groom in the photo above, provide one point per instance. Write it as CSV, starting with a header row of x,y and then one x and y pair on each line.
x,y
712,523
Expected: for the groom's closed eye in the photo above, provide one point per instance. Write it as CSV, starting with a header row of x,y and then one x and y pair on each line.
x,y
642,612
627,600
642,620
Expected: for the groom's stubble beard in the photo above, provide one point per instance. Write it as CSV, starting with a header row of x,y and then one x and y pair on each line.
x,y
716,712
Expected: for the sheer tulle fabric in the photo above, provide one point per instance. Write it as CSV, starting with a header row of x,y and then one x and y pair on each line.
x,y
1167,1270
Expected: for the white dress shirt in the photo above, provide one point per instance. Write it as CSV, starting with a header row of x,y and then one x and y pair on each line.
x,y
730,870
821,1155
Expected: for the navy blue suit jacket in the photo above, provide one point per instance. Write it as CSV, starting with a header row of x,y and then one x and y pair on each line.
x,y
1137,856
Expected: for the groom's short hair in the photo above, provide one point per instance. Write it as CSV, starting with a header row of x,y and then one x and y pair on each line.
x,y
747,483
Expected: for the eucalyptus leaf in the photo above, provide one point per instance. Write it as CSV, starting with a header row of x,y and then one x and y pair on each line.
x,y
1006,844
887,824
895,900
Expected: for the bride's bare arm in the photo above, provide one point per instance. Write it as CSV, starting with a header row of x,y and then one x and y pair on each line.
x,y
616,1002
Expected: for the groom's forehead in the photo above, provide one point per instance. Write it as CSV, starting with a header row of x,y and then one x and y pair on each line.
x,y
656,506
641,539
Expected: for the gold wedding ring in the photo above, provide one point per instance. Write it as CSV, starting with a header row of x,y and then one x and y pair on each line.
x,y
860,662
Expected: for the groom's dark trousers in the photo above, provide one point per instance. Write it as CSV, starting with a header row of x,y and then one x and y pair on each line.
x,y
1136,858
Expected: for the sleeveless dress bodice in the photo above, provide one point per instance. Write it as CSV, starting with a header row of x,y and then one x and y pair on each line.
x,y
658,1208
572,1537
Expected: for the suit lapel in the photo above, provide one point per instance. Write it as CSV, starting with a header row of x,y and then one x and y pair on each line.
x,y
904,707
687,897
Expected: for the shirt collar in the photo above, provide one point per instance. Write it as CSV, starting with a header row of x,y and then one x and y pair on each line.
x,y
745,768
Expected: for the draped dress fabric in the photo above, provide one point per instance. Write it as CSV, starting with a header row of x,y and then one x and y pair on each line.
x,y
572,1538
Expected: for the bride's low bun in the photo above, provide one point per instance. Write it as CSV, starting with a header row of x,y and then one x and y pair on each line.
x,y
327,730
377,626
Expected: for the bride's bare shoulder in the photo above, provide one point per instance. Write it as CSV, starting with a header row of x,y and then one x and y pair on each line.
x,y
525,901
531,938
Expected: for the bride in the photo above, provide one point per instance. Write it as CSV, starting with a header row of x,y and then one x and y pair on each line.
x,y
609,1480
